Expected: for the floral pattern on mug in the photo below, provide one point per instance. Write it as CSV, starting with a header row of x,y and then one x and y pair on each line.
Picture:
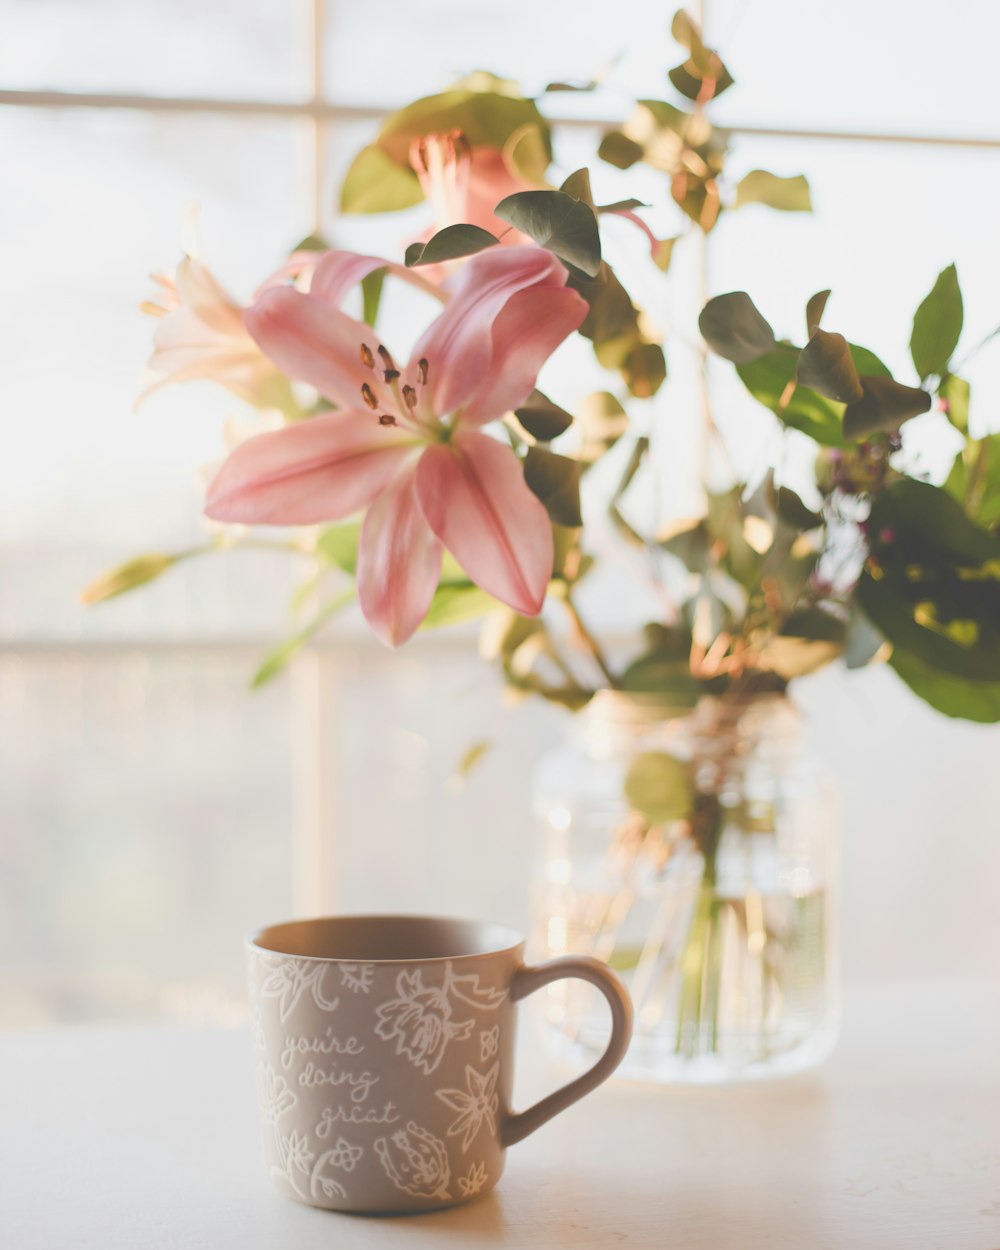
x,y
357,977
472,1182
477,1104
286,982
420,1017
489,1042
275,1096
415,1161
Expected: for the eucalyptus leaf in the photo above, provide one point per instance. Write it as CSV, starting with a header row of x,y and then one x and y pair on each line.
x,y
375,183
700,86
814,311
733,328
451,243
827,366
619,150
883,407
542,418
644,369
789,195
794,512
621,206
486,118
557,221
555,480
664,254
578,186
937,325
660,787
602,421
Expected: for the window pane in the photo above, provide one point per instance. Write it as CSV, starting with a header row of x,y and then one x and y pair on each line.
x,y
243,48
99,206
145,807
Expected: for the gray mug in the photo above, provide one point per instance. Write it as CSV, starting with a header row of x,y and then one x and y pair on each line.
x,y
384,1053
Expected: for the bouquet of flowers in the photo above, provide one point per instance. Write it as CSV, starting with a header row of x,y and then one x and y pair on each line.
x,y
443,485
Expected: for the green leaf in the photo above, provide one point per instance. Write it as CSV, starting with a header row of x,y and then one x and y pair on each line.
x,y
815,624
472,757
644,369
933,584
734,329
451,243
794,512
621,206
375,183
771,381
884,406
814,311
487,118
311,243
937,325
542,418
277,659
955,393
555,220
660,787
527,153
578,186
135,572
619,150
953,696
702,66
827,366
337,545
602,421
789,195
664,254
456,602
371,295
863,641
555,480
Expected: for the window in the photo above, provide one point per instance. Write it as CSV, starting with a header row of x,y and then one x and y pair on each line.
x,y
151,809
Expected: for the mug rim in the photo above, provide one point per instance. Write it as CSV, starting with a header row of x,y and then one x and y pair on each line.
x,y
508,941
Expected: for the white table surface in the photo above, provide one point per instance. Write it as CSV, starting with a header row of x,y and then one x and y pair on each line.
x,y
145,1138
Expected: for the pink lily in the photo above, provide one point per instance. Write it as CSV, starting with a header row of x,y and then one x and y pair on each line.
x,y
464,184
201,335
407,443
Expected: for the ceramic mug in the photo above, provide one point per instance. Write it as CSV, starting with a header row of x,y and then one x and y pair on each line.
x,y
384,1054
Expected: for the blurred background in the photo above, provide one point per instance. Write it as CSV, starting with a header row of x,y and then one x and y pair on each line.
x,y
152,808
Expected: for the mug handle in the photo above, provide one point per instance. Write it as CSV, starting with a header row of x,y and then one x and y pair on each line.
x,y
517,1125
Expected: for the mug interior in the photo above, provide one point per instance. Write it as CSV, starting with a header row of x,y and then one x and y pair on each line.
x,y
388,939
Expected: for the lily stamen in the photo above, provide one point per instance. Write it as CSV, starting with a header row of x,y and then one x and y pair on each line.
x,y
422,370
410,397
386,418
367,359
387,359
369,396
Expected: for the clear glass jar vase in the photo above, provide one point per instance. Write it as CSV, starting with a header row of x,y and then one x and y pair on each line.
x,y
694,852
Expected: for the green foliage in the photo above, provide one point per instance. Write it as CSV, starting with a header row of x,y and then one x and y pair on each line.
x,y
789,195
734,329
557,221
937,325
660,787
375,183
278,659
133,573
337,545
703,76
933,584
555,480
954,392
542,418
451,243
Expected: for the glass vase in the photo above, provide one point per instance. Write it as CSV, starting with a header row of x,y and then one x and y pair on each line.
x,y
694,852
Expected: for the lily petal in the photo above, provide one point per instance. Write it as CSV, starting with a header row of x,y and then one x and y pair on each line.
x,y
529,328
339,272
399,562
317,470
473,493
459,344
314,343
